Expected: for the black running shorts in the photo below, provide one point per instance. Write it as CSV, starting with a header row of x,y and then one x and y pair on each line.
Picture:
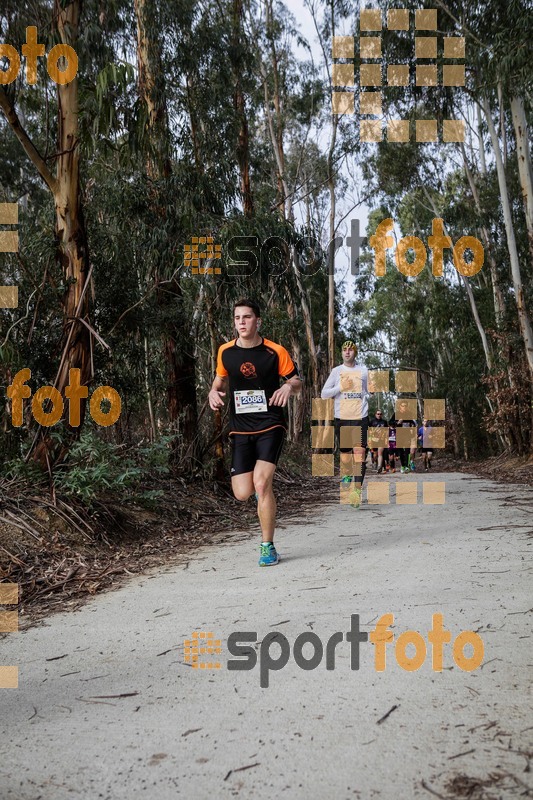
x,y
249,448
339,423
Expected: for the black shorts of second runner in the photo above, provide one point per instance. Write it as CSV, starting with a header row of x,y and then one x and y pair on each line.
x,y
247,449
339,423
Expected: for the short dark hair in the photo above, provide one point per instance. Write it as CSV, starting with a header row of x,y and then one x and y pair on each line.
x,y
245,301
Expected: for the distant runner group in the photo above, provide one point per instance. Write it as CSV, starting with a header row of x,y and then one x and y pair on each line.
x,y
250,368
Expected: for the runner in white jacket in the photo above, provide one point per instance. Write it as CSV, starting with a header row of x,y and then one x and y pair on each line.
x,y
348,385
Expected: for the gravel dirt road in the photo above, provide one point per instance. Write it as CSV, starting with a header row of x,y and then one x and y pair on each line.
x,y
107,706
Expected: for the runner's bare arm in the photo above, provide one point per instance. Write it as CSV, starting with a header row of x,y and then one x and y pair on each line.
x,y
296,384
281,396
217,393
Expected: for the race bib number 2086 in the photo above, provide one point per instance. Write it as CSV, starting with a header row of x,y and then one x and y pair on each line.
x,y
250,402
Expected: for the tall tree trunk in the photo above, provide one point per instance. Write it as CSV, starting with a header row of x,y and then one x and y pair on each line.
x,y
296,411
70,225
149,404
152,90
219,448
332,227
523,156
243,155
503,132
482,159
306,314
69,229
178,350
280,157
479,325
497,294
523,316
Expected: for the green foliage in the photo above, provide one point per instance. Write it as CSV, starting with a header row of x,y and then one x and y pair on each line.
x,y
96,467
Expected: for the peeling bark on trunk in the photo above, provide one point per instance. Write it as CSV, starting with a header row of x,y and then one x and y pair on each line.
x,y
71,244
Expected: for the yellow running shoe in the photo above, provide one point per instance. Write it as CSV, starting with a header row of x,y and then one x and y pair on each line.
x,y
354,497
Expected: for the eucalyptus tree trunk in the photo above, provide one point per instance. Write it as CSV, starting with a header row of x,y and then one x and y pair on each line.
x,y
149,403
69,231
283,192
479,324
523,156
523,317
497,294
308,323
152,91
297,409
503,132
332,226
243,153
219,449
178,350
286,210
482,160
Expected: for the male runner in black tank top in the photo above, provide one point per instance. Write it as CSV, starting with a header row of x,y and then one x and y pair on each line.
x,y
253,366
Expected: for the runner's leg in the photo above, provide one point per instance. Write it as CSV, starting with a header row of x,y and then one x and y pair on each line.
x,y
263,476
243,485
347,461
242,465
359,465
346,454
363,450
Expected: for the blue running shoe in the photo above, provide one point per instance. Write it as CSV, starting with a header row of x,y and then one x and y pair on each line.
x,y
347,479
268,556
